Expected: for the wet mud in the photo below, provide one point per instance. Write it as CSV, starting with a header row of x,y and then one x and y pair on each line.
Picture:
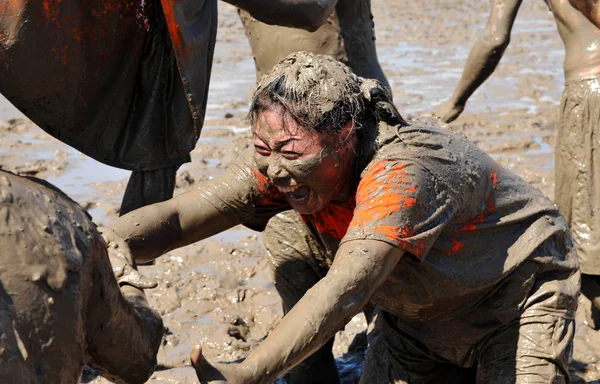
x,y
218,292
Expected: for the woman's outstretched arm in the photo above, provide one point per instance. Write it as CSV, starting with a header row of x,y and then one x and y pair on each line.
x,y
359,268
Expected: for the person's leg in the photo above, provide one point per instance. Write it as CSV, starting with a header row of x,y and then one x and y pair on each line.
x,y
298,262
148,187
590,287
537,348
396,357
577,181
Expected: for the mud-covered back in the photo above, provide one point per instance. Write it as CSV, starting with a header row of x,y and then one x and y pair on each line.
x,y
43,234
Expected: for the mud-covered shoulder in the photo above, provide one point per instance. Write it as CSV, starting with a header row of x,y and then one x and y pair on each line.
x,y
426,141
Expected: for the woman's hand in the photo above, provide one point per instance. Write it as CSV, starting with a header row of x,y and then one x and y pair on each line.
x,y
122,262
218,373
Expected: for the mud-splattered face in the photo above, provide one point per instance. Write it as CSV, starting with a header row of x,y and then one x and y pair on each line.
x,y
311,168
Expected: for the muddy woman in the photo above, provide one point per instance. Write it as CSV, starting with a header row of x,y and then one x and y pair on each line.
x,y
60,304
576,191
472,269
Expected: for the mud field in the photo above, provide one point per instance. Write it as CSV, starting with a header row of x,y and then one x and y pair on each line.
x,y
217,292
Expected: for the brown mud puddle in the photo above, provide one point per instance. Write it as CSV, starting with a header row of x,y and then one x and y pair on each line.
x,y
217,292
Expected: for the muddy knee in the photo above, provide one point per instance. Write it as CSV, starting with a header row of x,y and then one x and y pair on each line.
x,y
296,260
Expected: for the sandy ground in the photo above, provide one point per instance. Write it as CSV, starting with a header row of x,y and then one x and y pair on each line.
x,y
217,292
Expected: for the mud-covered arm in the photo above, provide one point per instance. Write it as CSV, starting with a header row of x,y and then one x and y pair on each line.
x,y
359,268
210,208
483,58
123,333
589,8
153,230
304,14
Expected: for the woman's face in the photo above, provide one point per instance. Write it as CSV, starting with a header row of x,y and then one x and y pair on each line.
x,y
310,168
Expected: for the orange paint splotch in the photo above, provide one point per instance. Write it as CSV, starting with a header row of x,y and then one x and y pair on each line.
x,y
383,190
51,12
269,195
456,246
172,25
490,207
493,177
390,231
333,219
261,180
417,248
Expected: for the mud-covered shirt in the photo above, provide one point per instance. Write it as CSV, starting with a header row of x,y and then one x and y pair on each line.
x,y
464,222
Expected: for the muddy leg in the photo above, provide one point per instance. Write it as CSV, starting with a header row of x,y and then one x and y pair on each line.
x,y
297,263
396,357
537,347
148,187
590,287
577,181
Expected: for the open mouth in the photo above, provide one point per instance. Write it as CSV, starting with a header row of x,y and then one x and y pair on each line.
x,y
296,194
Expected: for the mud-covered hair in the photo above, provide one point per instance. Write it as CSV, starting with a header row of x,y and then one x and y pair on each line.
x,y
323,94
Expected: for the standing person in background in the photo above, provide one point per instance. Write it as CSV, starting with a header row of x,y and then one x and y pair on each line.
x,y
343,29
577,160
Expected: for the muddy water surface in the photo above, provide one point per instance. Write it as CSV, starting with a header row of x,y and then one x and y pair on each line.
x,y
217,292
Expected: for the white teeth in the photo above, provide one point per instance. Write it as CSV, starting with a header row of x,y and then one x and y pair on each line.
x,y
288,189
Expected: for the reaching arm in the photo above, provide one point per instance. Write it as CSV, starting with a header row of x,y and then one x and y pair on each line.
x,y
589,8
123,333
359,268
304,14
483,58
159,228
239,195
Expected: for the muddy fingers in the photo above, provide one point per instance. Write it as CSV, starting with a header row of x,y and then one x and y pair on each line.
x,y
204,370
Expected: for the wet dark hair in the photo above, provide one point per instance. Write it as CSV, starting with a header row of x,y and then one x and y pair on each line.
x,y
323,94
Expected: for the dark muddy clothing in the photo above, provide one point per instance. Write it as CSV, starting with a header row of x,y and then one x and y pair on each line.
x,y
60,305
577,180
477,238
123,81
534,349
348,35
148,187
